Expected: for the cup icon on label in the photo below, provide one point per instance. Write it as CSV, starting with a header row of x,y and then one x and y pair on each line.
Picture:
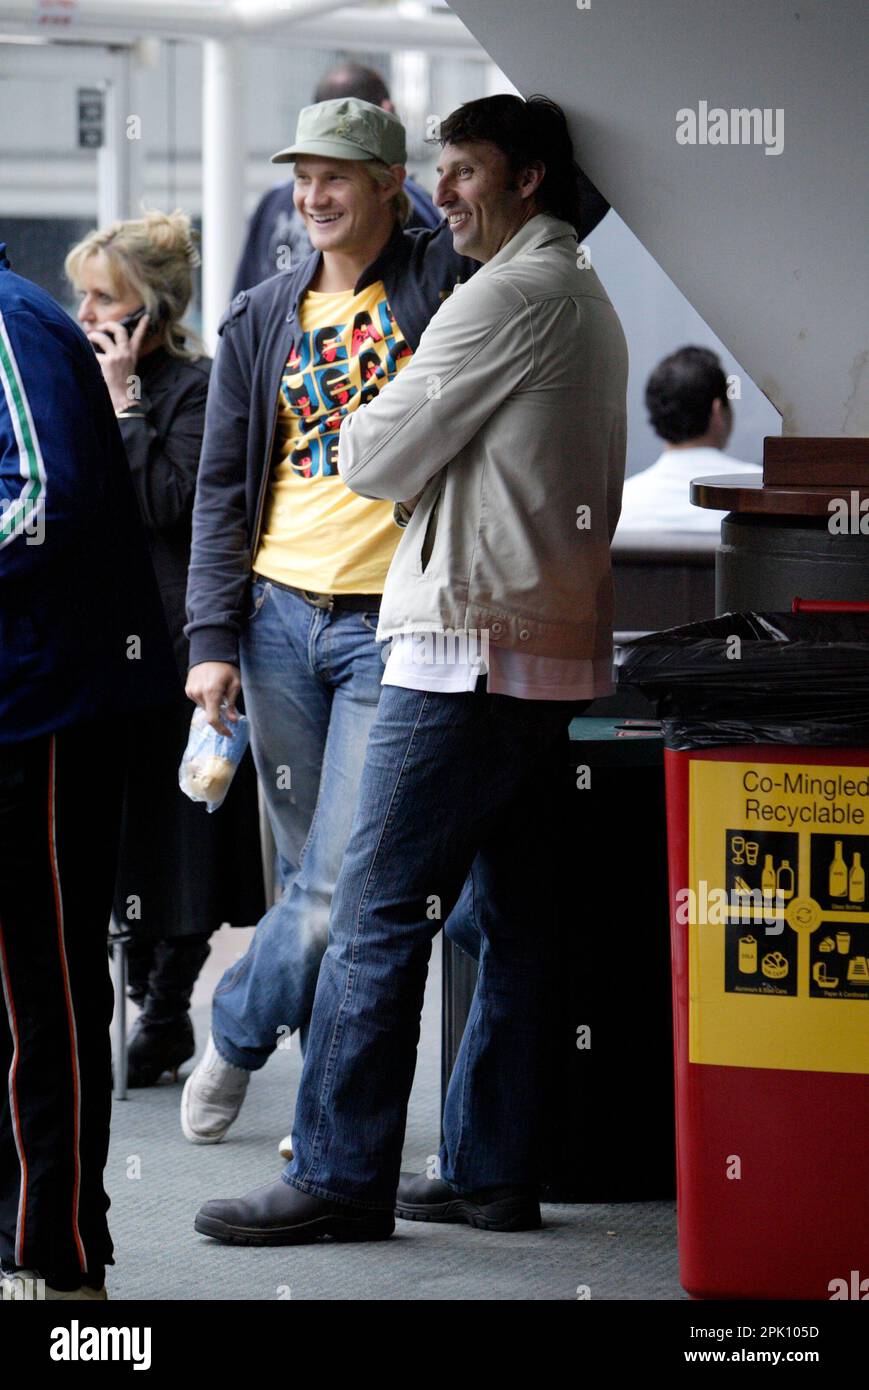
x,y
747,955
843,942
737,847
751,849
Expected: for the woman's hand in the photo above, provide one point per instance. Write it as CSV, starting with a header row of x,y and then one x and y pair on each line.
x,y
120,353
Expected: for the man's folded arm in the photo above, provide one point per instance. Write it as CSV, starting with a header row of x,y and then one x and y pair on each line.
x,y
466,366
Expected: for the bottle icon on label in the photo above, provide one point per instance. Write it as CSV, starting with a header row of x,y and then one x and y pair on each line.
x,y
838,874
857,881
767,878
785,880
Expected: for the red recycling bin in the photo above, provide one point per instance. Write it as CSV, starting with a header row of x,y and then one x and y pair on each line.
x,y
770,942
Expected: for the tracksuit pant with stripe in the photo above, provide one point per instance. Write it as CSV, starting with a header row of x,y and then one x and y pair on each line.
x,y
60,812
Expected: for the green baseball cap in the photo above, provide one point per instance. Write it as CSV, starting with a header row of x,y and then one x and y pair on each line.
x,y
347,128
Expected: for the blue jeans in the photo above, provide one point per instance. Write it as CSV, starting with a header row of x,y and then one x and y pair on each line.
x,y
311,683
453,784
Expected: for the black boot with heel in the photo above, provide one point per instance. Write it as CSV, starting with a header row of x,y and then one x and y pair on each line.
x,y
155,1047
162,976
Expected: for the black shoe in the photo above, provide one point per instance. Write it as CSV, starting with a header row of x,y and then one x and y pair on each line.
x,y
155,1047
278,1214
491,1209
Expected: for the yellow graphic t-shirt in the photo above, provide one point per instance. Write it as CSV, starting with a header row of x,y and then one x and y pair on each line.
x,y
316,533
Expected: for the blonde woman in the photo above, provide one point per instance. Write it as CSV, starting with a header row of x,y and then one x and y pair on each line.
x,y
182,872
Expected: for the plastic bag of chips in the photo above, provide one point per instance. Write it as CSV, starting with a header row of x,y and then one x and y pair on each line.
x,y
210,759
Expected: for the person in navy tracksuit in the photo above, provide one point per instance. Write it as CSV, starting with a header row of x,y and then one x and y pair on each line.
x,y
83,646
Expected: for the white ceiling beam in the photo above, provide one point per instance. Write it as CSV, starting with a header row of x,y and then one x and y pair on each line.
x,y
304,23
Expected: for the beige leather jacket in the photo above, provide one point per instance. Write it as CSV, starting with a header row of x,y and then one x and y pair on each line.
x,y
511,420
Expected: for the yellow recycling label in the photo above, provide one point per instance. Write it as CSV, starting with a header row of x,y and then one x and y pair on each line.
x,y
778,916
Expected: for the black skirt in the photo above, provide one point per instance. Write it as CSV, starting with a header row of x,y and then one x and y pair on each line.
x,y
183,871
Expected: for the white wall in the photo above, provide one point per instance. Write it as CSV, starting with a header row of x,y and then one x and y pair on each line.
x,y
770,249
657,319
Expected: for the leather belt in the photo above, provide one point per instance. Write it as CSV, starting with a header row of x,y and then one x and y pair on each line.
x,y
351,603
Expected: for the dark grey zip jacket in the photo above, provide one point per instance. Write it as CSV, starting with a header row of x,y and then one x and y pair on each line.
x,y
419,270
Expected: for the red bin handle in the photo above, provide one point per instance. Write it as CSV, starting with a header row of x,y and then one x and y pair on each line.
x,y
818,605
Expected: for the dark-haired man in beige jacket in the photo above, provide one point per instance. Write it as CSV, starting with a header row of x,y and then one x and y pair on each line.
x,y
507,432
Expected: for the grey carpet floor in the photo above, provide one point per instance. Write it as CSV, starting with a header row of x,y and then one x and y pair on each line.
x,y
156,1181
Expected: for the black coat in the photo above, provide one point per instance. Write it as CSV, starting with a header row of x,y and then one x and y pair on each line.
x,y
181,870
162,434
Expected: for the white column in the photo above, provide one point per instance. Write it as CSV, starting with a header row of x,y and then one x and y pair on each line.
x,y
119,160
410,87
223,218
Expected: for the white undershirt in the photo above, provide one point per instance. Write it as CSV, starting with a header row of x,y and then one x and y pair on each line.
x,y
415,663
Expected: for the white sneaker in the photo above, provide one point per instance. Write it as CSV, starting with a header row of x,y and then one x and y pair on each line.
x,y
82,1293
25,1285
285,1147
212,1097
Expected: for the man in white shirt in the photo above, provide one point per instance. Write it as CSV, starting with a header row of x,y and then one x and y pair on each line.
x,y
686,397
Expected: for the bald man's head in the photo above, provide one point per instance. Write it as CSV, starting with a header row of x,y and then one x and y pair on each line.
x,y
354,80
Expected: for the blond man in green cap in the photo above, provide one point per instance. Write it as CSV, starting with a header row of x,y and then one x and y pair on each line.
x,y
288,565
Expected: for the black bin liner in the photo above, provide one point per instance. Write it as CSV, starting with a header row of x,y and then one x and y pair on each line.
x,y
800,679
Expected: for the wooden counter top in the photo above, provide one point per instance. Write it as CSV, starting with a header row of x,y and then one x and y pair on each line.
x,y
741,492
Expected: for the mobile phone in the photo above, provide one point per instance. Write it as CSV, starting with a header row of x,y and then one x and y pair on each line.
x,y
129,322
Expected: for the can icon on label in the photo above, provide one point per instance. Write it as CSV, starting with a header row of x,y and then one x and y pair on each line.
x,y
747,955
